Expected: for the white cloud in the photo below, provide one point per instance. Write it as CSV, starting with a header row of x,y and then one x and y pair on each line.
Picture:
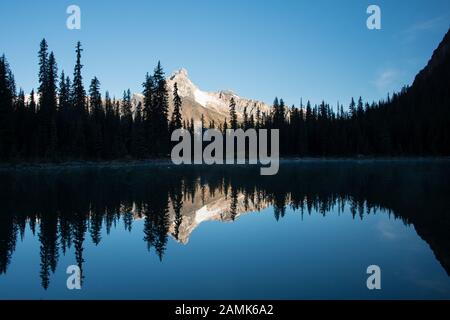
x,y
386,79
410,34
387,230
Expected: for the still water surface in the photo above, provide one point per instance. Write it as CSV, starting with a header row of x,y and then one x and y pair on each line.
x,y
165,232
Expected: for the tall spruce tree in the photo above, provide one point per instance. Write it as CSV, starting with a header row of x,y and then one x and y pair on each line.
x,y
156,101
97,120
6,110
176,120
64,116
138,149
20,124
78,97
126,120
47,102
233,114
149,87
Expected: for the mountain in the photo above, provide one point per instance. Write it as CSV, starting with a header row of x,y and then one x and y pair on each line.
x,y
213,105
207,206
438,65
416,121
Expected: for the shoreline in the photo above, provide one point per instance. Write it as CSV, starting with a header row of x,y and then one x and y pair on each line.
x,y
157,162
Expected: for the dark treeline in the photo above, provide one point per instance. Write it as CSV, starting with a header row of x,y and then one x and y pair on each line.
x,y
69,210
65,122
61,121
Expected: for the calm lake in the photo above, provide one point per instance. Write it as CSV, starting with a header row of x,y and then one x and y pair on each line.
x,y
168,232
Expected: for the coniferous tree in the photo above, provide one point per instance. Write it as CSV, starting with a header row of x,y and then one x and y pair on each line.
x,y
149,88
110,130
176,120
258,118
78,98
7,93
191,127
126,120
138,149
202,124
64,116
20,123
352,108
97,120
47,102
245,123
279,113
32,127
159,112
233,115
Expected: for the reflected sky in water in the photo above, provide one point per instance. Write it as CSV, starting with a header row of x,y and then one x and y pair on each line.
x,y
159,232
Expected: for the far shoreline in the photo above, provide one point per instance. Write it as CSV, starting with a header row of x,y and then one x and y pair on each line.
x,y
163,162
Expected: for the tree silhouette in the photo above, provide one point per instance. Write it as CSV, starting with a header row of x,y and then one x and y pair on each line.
x,y
66,124
233,115
176,120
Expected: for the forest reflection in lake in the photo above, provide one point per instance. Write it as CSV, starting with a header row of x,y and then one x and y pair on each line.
x,y
158,231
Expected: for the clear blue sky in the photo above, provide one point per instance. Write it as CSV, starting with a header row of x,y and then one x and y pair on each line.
x,y
259,49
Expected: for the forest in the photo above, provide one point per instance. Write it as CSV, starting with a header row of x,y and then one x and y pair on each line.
x,y
62,121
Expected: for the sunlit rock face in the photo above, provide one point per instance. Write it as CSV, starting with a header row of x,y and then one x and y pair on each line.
x,y
214,106
206,206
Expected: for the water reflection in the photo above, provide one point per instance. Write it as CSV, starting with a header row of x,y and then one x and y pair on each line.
x,y
63,207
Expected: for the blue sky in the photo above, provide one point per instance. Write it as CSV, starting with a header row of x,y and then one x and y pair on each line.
x,y
259,49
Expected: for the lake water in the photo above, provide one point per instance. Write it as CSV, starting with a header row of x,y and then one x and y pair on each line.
x,y
166,232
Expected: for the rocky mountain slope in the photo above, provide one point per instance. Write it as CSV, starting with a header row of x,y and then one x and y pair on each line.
x,y
213,105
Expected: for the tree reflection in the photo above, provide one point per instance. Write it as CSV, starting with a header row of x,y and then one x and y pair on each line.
x,y
64,206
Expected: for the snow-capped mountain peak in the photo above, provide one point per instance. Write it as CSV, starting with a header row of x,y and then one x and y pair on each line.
x,y
213,105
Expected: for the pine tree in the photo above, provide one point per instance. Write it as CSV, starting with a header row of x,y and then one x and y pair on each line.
x,y
159,112
225,126
352,108
279,113
110,131
245,124
97,120
20,123
64,115
176,120
43,72
202,124
32,150
64,94
233,115
138,144
191,127
149,88
47,102
53,104
126,120
78,97
258,118
7,94
360,108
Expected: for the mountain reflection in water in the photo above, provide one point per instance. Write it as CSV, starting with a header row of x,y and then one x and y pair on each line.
x,y
62,207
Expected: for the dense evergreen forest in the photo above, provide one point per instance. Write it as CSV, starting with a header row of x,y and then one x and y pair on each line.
x,y
65,122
